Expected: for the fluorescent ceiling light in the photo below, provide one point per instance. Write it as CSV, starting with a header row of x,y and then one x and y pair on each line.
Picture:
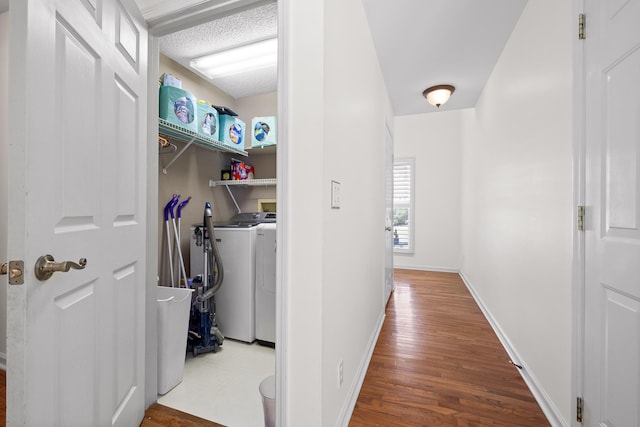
x,y
249,57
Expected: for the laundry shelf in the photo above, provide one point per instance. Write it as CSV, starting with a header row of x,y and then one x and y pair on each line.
x,y
242,183
245,182
190,137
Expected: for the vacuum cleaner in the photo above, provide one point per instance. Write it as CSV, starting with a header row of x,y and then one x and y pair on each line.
x,y
204,335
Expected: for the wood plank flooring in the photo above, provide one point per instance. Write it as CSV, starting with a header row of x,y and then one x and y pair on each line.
x,y
162,416
437,362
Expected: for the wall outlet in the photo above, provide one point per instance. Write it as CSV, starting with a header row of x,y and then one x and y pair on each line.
x,y
340,373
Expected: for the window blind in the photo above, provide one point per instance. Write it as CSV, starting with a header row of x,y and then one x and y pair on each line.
x,y
403,170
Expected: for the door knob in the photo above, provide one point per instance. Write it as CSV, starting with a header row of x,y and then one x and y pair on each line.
x,y
387,229
46,266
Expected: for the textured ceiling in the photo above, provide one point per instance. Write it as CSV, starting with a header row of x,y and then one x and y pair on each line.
x,y
230,31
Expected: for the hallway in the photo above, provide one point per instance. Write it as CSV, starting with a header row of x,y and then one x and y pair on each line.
x,y
438,362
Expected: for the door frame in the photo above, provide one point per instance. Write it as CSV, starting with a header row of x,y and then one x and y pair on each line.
x,y
165,25
579,188
387,293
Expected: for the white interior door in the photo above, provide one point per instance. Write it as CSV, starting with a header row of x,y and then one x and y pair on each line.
x,y
612,238
388,201
77,190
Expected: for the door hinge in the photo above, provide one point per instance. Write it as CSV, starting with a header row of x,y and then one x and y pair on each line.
x,y
580,218
581,24
579,408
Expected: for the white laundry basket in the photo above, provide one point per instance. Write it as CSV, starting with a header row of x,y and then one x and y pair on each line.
x,y
174,305
268,394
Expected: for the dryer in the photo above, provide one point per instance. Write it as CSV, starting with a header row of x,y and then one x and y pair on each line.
x,y
266,284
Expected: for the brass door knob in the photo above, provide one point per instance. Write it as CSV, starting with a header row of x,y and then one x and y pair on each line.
x,y
46,266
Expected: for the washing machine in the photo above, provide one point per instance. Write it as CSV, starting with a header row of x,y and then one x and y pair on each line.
x,y
266,284
235,300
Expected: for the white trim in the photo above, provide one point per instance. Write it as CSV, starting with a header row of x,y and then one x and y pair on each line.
x,y
546,404
166,7
426,268
163,20
151,308
354,390
283,230
579,186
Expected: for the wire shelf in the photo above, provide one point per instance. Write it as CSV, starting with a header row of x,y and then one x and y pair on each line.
x,y
190,137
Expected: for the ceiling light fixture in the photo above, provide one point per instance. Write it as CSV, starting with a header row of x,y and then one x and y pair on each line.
x,y
248,57
438,95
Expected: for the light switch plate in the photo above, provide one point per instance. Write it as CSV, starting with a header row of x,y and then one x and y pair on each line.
x,y
335,195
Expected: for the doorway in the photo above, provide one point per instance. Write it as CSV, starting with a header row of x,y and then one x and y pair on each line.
x,y
238,364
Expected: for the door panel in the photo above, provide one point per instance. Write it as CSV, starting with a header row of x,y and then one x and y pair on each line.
x,y
76,341
621,156
621,341
612,237
76,365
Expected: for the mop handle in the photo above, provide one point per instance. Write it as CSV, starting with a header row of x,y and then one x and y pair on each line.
x,y
168,206
182,205
174,202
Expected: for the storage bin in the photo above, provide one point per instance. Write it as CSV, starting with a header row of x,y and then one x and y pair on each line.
x,y
232,131
268,394
207,120
169,80
178,106
263,131
174,306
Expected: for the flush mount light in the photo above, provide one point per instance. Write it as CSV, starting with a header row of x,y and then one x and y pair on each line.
x,y
438,95
248,57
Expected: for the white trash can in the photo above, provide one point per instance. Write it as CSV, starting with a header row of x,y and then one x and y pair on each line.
x,y
268,394
174,306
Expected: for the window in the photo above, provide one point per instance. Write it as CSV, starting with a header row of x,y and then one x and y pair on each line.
x,y
403,171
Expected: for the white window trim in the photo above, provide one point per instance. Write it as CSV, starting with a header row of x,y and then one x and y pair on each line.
x,y
412,211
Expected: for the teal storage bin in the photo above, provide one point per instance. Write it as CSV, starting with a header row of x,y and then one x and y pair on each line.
x,y
232,131
179,107
207,120
263,131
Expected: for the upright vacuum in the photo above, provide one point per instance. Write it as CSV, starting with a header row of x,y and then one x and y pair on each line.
x,y
204,335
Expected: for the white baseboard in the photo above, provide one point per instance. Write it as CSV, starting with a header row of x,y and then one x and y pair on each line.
x,y
356,384
546,404
3,361
423,268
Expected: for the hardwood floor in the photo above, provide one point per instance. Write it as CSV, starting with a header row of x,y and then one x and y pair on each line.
x,y
162,416
437,362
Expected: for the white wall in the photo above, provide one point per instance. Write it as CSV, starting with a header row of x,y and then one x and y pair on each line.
x,y
355,107
435,141
4,148
337,103
517,197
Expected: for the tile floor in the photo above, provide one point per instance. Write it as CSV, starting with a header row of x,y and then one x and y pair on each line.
x,y
223,386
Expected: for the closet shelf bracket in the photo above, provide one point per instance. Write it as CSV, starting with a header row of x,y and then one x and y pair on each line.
x,y
233,199
177,156
244,183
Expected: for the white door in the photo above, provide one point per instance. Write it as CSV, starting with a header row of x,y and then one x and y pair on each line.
x,y
77,190
388,202
612,238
